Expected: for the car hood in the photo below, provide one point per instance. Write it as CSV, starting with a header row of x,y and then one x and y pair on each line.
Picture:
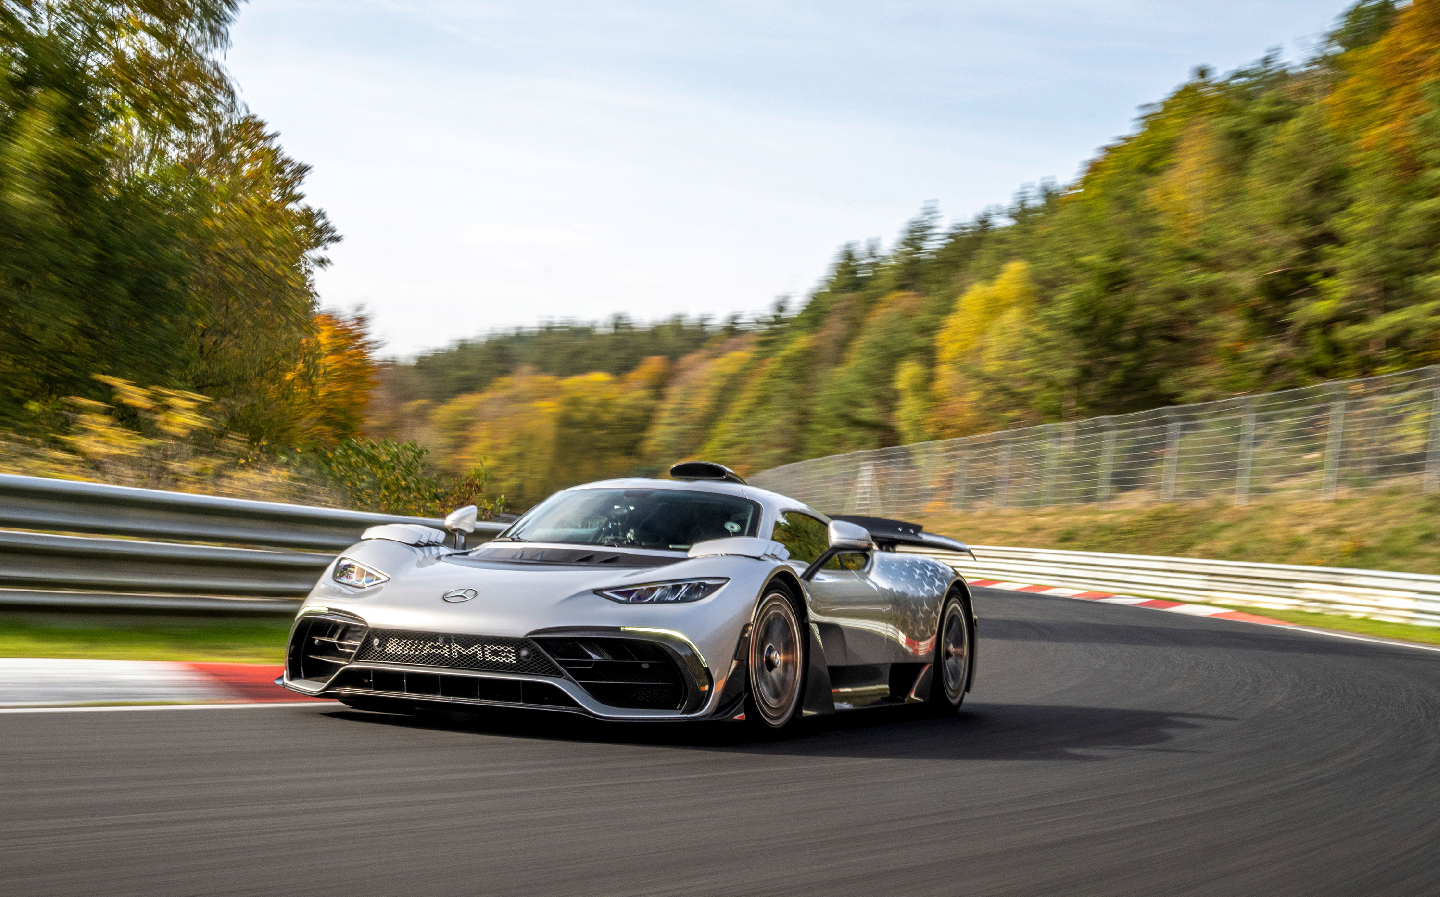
x,y
511,597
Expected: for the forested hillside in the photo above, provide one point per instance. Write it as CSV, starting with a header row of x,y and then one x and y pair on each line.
x,y
1268,228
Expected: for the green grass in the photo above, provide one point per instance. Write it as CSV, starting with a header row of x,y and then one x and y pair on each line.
x,y
1404,632
143,638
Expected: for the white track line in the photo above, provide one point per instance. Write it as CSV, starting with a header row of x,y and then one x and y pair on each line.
x,y
132,707
1364,638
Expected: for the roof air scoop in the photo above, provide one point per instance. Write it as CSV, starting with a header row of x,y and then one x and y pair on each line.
x,y
704,470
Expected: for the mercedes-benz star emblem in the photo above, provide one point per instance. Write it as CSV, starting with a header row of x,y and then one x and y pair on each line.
x,y
455,596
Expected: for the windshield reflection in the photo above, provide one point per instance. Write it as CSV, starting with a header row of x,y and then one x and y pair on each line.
x,y
663,519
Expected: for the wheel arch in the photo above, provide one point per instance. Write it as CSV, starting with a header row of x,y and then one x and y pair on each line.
x,y
967,601
794,590
817,674
818,698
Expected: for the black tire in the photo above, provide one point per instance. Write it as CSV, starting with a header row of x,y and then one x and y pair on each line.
x,y
954,658
779,653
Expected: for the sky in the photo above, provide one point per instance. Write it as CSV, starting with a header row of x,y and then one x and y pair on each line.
x,y
492,165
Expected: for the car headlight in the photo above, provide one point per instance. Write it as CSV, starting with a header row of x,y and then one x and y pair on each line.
x,y
352,573
676,592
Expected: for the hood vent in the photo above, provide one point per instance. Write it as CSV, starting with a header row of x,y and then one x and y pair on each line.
x,y
573,557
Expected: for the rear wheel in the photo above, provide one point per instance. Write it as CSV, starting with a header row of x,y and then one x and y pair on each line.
x,y
777,664
951,671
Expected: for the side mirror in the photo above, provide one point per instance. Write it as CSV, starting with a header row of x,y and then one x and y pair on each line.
x,y
847,536
461,521
844,536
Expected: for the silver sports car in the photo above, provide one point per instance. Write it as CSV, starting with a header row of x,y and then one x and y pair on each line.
x,y
697,597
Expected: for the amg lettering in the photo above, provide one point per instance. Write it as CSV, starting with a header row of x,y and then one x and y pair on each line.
x,y
492,653
448,648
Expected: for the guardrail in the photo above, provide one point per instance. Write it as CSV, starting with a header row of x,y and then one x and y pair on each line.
x,y
172,551
1377,594
151,559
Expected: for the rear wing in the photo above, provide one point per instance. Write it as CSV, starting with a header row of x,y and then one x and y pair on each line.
x,y
887,533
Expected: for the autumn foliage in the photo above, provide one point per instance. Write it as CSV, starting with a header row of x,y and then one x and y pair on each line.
x,y
1269,228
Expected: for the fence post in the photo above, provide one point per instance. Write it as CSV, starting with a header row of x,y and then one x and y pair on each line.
x,y
1432,451
1172,460
1247,456
1333,443
1002,477
961,477
864,487
1107,463
1052,464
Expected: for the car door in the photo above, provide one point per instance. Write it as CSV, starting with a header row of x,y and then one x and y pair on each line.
x,y
916,587
846,603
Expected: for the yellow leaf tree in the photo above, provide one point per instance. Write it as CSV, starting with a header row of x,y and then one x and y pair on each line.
x,y
977,353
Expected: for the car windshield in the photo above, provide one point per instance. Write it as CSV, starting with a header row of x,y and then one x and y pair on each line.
x,y
666,519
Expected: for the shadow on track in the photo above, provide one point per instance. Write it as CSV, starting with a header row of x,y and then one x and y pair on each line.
x,y
978,732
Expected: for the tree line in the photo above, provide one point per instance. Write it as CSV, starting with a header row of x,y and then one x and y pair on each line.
x,y
1269,228
153,231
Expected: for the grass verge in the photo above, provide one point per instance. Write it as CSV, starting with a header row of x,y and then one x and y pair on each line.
x,y
198,639
1401,632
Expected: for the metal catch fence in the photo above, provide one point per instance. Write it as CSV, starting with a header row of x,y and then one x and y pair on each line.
x,y
1312,442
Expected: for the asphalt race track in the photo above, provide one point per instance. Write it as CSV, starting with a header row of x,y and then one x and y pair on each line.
x,y
1105,750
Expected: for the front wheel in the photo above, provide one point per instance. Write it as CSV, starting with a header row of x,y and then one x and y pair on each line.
x,y
953,653
777,664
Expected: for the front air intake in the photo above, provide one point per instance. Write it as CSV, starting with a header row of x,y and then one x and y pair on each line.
x,y
621,672
322,644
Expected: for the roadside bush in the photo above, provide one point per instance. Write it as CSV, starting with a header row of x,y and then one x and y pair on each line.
x,y
158,438
394,478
